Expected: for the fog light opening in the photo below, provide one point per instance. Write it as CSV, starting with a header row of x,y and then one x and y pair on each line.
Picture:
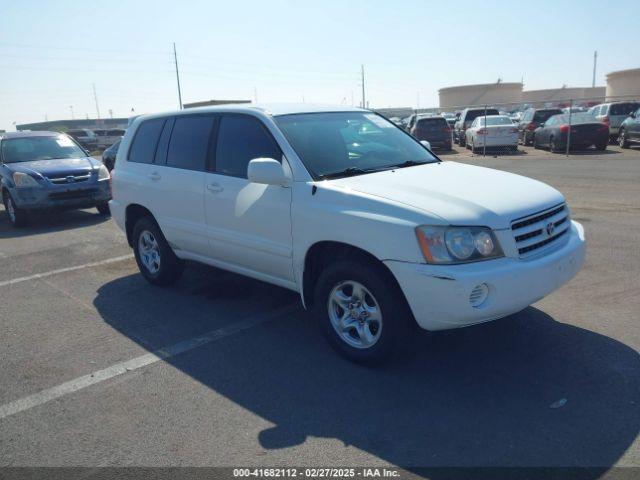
x,y
479,295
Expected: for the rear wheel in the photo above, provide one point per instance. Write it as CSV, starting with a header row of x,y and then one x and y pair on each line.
x,y
601,146
553,146
623,141
362,315
17,216
155,258
463,140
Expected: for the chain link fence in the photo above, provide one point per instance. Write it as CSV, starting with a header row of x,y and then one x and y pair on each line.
x,y
572,126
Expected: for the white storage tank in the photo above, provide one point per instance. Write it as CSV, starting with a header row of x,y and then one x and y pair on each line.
x,y
482,94
623,82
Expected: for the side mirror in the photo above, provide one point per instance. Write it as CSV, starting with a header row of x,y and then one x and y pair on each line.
x,y
266,171
632,114
541,125
426,144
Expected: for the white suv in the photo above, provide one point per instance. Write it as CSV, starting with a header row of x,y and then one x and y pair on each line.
x,y
342,206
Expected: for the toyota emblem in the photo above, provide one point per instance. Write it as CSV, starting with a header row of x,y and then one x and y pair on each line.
x,y
550,228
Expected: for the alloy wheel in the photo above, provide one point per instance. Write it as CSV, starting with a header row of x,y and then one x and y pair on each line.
x,y
355,314
149,251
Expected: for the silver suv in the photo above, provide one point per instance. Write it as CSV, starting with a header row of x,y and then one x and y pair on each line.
x,y
613,114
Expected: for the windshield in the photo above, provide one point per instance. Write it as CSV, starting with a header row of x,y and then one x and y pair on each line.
x,y
27,149
497,120
350,142
543,115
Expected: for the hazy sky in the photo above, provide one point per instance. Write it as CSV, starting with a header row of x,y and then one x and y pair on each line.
x,y
52,51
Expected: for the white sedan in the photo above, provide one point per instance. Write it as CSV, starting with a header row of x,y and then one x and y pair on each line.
x,y
497,131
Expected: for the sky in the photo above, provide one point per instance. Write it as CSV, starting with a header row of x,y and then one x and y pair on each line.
x,y
53,52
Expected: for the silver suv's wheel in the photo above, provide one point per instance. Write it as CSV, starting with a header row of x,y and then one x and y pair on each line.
x,y
355,314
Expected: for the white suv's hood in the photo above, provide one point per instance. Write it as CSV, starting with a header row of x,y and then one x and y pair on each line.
x,y
459,194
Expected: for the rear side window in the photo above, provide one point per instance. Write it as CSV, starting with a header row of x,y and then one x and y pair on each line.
x,y
623,108
242,138
473,114
189,142
145,140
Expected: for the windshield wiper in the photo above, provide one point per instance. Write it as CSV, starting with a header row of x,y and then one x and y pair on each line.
x,y
347,172
408,163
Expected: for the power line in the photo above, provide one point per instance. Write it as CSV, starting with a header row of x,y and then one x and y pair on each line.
x,y
175,56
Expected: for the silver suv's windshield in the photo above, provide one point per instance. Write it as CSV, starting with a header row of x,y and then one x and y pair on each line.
x,y
333,145
27,149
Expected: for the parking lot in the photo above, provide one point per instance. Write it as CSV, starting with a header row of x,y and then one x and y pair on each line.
x,y
100,368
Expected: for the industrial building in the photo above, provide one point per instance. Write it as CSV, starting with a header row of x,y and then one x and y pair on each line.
x,y
64,125
209,103
482,94
623,82
587,95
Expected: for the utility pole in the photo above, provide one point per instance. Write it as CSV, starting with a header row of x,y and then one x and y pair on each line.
x,y
362,73
417,102
110,113
175,58
595,61
71,108
255,95
95,96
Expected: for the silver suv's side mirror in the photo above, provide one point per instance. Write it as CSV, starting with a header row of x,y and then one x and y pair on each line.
x,y
267,171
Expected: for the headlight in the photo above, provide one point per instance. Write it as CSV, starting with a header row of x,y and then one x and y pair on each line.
x,y
103,173
24,180
457,244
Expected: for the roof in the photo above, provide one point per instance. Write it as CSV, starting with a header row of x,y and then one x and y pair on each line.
x,y
29,134
272,109
502,85
629,72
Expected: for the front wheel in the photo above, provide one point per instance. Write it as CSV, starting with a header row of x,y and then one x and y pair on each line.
x,y
103,208
17,216
361,314
155,258
623,141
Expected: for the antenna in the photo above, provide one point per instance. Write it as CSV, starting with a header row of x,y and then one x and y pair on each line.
x,y
175,58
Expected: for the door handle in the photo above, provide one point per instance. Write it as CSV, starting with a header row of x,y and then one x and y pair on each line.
x,y
215,187
154,176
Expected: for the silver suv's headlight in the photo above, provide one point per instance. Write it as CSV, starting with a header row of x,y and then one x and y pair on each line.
x,y
103,173
24,180
447,245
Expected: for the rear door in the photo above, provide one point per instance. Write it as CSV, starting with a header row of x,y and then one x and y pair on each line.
x,y
179,175
248,224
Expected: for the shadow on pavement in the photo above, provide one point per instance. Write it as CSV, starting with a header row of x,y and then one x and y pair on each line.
x,y
49,222
522,391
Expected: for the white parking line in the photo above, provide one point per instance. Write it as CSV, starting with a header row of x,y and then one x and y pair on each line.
x,y
79,383
66,269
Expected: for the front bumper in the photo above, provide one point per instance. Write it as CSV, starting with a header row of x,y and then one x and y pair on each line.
x,y
61,197
439,295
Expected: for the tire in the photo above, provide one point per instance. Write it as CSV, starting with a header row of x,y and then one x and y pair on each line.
x,y
623,142
365,339
553,148
17,216
535,144
601,146
155,258
525,140
103,208
463,142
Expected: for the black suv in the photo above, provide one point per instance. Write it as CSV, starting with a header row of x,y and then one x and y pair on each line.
x,y
531,119
467,117
434,130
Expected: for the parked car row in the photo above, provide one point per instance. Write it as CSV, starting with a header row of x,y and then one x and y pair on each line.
x,y
96,139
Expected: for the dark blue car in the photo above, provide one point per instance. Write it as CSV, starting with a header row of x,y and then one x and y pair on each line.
x,y
49,171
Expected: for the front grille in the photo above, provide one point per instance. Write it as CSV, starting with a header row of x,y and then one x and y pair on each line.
x,y
73,178
540,230
73,194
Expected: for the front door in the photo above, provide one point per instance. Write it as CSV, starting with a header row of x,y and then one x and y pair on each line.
x,y
249,224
